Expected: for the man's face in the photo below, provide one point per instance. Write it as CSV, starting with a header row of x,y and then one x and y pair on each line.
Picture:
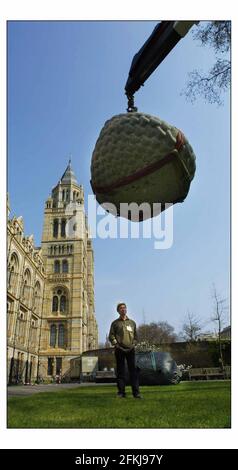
x,y
122,310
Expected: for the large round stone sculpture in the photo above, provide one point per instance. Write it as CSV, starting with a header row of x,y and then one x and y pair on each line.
x,y
156,368
138,158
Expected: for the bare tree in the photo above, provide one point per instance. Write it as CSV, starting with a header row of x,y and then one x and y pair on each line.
x,y
107,344
219,310
156,333
215,34
191,327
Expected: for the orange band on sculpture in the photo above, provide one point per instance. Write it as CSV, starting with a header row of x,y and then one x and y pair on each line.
x,y
144,171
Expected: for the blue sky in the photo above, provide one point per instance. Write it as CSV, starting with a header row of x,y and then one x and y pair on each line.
x,y
65,79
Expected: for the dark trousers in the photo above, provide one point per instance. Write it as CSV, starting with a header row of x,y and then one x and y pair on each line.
x,y
121,358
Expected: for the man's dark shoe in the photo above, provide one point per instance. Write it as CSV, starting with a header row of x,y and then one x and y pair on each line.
x,y
138,396
121,395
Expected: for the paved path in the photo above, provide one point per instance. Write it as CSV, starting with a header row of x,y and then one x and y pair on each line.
x,y
25,390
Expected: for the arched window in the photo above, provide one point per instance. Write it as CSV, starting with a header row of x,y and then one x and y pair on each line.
x,y
57,266
24,288
55,304
11,276
53,336
33,331
37,295
63,195
37,288
74,195
65,266
63,225
61,336
60,300
63,303
13,270
67,195
55,228
26,285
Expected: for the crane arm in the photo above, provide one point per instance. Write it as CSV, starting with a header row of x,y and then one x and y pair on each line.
x,y
162,40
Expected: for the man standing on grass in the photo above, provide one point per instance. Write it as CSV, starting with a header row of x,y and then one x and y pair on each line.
x,y
123,337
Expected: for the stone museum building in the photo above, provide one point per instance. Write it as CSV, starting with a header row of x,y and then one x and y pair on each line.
x,y
50,290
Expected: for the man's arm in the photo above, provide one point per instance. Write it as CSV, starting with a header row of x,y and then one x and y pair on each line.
x,y
135,336
112,337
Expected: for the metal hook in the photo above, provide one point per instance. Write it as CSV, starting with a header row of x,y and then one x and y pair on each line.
x,y
131,107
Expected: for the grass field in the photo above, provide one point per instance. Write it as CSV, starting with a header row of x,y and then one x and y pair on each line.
x,y
204,404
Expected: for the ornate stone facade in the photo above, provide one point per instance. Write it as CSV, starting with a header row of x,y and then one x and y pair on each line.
x,y
50,299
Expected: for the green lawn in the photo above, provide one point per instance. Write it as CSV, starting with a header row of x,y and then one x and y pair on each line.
x,y
187,405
